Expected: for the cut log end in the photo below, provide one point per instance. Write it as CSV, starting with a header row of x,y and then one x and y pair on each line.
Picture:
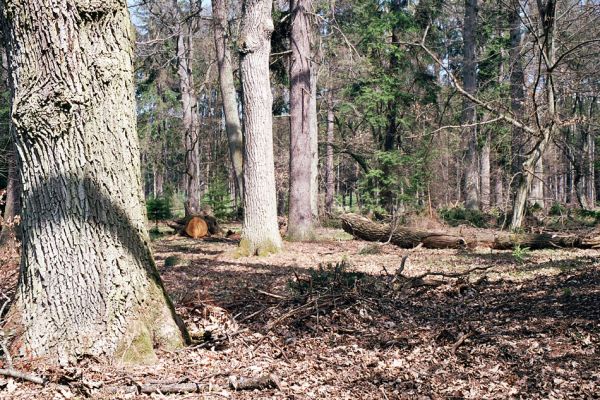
x,y
196,228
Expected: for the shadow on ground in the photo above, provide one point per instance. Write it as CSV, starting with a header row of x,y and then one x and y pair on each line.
x,y
371,337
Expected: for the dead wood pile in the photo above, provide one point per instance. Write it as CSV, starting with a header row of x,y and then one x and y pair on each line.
x,y
365,229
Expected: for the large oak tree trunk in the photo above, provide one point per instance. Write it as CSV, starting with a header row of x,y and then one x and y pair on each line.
x,y
88,284
300,223
260,233
233,126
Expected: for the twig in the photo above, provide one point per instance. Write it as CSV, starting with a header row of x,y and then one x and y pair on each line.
x,y
453,274
273,295
460,341
13,373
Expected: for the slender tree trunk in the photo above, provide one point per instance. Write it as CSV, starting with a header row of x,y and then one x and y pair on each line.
x,y
314,146
228,93
190,113
469,114
517,98
12,200
260,234
12,207
485,174
536,196
300,220
329,168
88,283
499,187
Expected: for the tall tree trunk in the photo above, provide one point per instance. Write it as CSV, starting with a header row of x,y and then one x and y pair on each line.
x,y
517,95
88,284
329,168
314,146
190,112
469,114
300,220
260,233
228,93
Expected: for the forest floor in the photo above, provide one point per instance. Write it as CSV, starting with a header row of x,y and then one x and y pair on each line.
x,y
524,324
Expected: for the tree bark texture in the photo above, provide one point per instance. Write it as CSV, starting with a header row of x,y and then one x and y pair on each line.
x,y
471,187
88,284
260,233
300,220
233,125
191,121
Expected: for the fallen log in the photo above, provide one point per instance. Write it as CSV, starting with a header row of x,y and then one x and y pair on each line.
x,y
537,241
407,238
366,229
269,381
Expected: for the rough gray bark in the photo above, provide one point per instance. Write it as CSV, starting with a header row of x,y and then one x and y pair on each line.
x,y
88,283
471,178
300,219
260,233
185,28
329,168
233,126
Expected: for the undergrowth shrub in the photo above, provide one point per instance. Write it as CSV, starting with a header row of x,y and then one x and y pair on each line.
x,y
159,208
460,215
